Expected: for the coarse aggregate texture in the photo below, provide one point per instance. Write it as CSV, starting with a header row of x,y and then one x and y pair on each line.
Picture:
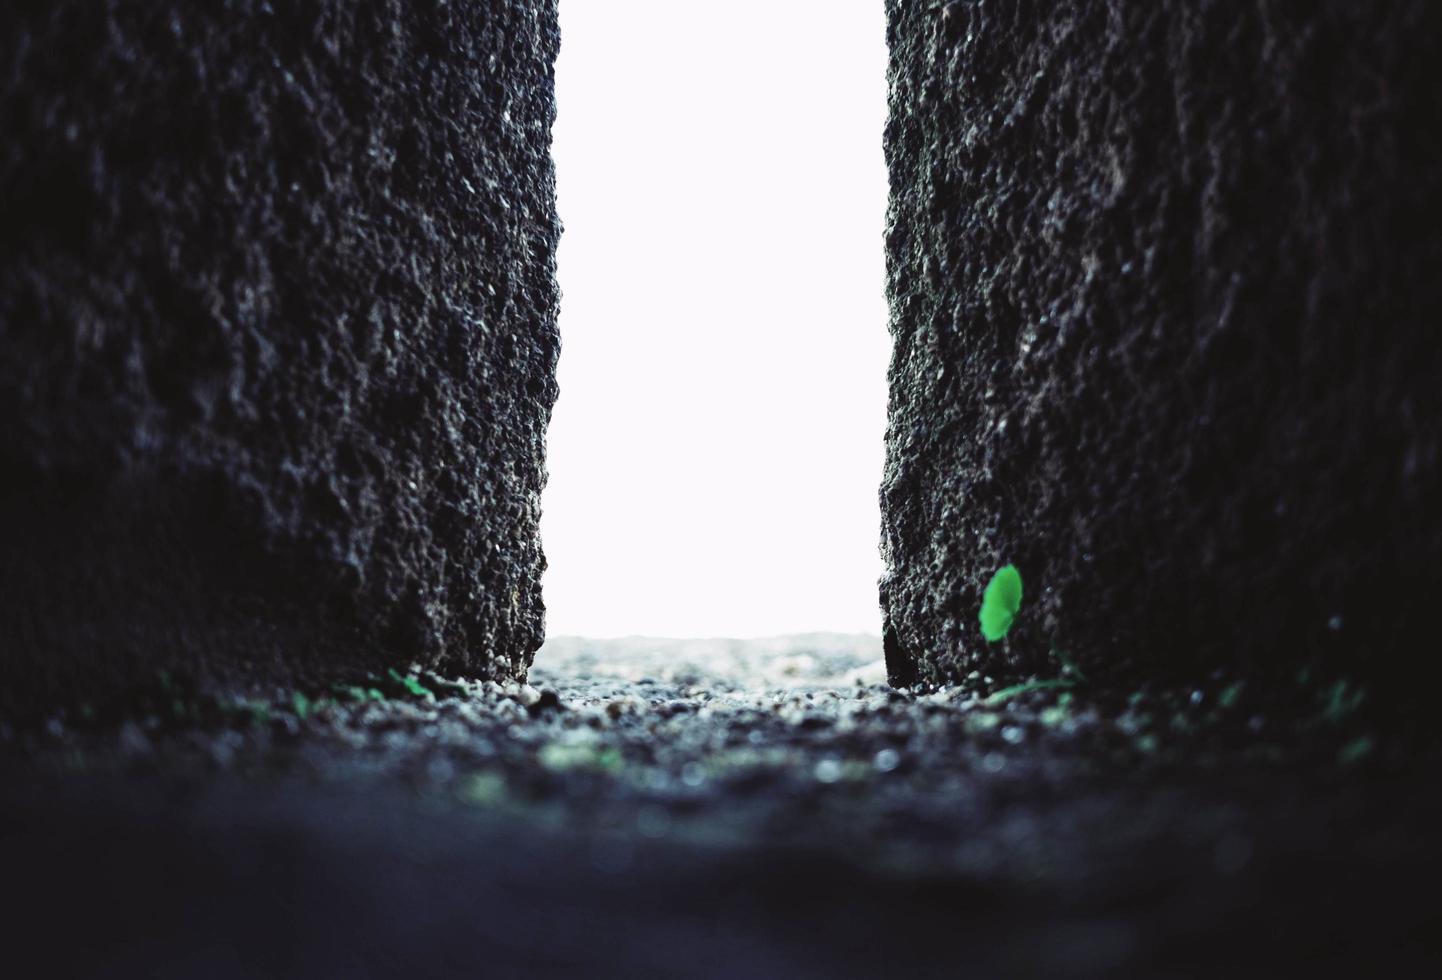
x,y
1163,293
277,327
724,808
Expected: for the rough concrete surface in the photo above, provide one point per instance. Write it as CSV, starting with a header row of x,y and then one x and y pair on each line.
x,y
1164,298
720,809
276,329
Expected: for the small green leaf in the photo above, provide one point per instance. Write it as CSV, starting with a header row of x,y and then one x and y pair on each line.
x,y
413,687
1000,602
1356,750
1007,693
1230,694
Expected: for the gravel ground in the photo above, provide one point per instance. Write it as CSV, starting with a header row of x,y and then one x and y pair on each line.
x,y
722,808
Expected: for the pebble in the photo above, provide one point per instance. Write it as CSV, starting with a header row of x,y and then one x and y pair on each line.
x,y
547,700
133,741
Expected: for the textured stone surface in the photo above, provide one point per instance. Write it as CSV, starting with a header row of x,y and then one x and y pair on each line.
x,y
276,331
1164,292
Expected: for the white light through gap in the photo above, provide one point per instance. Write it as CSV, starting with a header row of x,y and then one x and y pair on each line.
x,y
715,454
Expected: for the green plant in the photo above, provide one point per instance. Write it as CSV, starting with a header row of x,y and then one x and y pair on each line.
x,y
301,704
1356,750
412,686
1070,678
1341,700
1007,693
1000,602
256,713
359,694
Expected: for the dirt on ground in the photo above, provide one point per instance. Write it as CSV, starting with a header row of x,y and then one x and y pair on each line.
x,y
721,808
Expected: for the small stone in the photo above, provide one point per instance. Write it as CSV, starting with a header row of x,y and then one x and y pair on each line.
x,y
547,700
133,741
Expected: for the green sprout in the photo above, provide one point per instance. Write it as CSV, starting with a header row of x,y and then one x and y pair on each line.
x,y
412,686
301,704
1356,750
1007,693
359,694
1070,678
1000,602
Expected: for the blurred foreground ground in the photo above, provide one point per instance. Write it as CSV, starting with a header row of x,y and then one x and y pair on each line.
x,y
720,808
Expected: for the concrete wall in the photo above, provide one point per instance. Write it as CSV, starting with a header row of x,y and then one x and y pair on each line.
x,y
1165,299
277,335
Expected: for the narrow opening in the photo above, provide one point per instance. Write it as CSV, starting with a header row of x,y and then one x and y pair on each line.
x,y
716,449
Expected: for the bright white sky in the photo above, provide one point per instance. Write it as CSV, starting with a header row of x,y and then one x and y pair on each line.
x,y
717,447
